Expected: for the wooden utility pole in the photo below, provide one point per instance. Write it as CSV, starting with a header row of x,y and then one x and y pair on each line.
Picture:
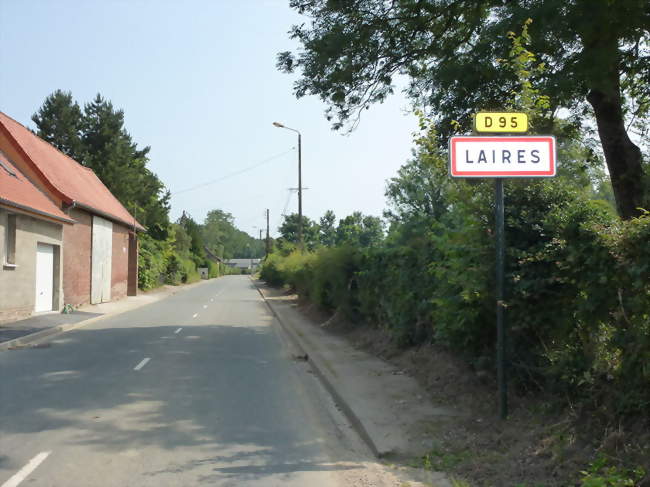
x,y
267,233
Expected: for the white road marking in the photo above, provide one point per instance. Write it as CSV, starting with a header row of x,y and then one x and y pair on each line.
x,y
195,315
24,472
211,299
220,292
178,331
205,306
142,364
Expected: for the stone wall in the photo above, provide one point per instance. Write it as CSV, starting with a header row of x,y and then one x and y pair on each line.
x,y
18,283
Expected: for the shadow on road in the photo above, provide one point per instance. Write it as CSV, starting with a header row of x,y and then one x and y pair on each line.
x,y
33,324
222,398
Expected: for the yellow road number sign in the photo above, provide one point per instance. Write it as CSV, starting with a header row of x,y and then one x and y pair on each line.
x,y
501,122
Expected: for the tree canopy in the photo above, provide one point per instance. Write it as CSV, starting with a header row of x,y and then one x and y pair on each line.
x,y
327,228
96,137
289,230
359,230
224,239
593,51
59,122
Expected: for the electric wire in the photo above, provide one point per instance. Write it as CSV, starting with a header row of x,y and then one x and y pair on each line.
x,y
286,204
233,174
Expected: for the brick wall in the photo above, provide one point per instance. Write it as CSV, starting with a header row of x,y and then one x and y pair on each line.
x,y
132,285
120,261
76,258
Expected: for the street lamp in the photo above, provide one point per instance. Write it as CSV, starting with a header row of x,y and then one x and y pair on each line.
x,y
279,125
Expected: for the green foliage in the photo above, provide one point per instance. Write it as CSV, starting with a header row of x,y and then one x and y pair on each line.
x,y
196,251
359,230
165,262
169,253
152,262
592,53
96,137
226,241
578,279
523,63
601,473
442,461
327,229
271,270
333,281
289,231
59,121
213,270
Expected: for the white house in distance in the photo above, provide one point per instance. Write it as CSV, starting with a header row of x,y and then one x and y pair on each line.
x,y
249,265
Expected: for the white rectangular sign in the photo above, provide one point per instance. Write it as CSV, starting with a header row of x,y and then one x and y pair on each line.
x,y
502,157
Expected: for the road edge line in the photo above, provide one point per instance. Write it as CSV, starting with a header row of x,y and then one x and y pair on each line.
x,y
319,369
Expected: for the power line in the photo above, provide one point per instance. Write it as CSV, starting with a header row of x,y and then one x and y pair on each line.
x,y
286,205
236,173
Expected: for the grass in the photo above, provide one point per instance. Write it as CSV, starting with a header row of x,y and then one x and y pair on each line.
x,y
438,460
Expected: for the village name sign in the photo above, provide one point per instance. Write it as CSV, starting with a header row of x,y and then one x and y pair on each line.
x,y
499,157
502,157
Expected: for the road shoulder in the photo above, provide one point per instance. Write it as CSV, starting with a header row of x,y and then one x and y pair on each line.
x,y
389,410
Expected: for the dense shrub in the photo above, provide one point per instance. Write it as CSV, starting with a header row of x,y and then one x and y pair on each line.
x,y
159,263
213,269
152,262
271,272
578,301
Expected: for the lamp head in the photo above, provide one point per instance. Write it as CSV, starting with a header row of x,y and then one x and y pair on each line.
x,y
278,124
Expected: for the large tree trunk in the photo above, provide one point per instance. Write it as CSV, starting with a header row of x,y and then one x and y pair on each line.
x,y
622,155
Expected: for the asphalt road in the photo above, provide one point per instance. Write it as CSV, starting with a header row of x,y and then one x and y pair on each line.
x,y
197,389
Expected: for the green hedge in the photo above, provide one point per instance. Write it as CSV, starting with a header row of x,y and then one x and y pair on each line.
x,y
578,279
159,264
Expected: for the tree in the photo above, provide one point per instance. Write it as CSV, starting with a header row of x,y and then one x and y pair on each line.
x,y
59,122
227,241
216,225
193,231
97,139
327,229
594,51
418,190
110,151
289,230
359,230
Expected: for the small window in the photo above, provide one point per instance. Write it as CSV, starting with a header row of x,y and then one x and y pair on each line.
x,y
10,240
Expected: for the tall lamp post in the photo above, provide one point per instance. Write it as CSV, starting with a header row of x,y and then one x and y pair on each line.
x,y
279,125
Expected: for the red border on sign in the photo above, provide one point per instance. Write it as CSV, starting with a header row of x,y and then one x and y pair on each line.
x,y
550,140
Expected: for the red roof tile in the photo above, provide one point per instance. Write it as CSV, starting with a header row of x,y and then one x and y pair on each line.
x,y
72,181
18,191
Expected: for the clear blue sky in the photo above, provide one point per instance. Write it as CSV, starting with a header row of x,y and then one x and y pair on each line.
x,y
197,82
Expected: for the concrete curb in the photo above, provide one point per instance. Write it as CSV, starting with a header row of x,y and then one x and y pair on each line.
x,y
320,370
34,338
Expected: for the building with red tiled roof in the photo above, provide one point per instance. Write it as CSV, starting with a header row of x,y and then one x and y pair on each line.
x,y
100,258
31,240
19,193
73,183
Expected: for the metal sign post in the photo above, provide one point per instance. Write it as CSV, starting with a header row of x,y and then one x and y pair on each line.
x,y
501,157
500,296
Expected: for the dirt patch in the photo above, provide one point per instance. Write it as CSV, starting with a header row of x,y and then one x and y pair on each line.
x,y
538,445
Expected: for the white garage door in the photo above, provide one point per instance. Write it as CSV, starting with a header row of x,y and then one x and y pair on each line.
x,y
44,277
102,251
